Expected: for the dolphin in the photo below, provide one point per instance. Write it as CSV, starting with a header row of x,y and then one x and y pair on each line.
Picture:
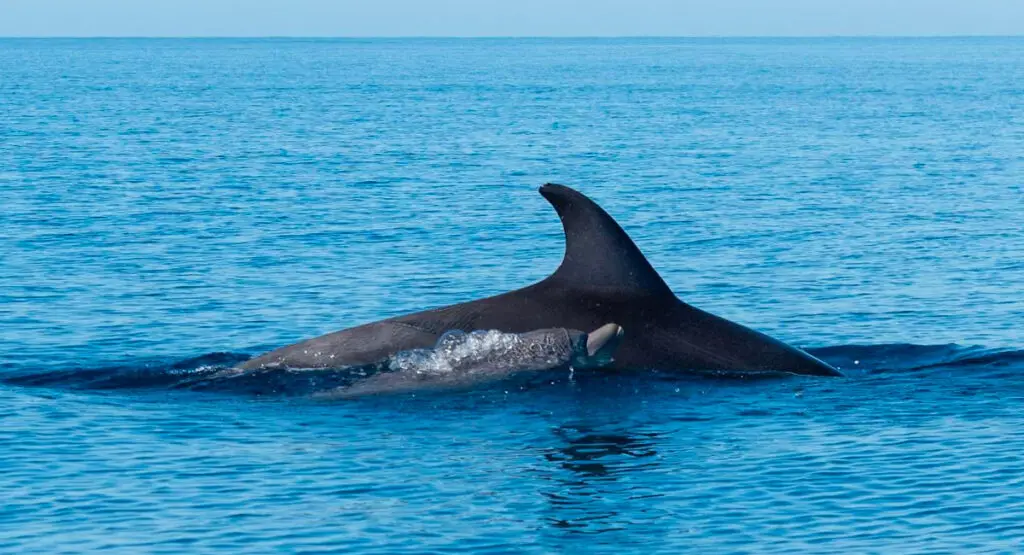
x,y
461,361
603,278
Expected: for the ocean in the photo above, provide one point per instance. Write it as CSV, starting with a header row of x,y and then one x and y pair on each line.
x,y
168,206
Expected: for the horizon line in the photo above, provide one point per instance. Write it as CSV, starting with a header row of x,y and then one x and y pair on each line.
x,y
506,37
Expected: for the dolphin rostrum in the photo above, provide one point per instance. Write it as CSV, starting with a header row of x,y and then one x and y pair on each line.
x,y
603,278
461,361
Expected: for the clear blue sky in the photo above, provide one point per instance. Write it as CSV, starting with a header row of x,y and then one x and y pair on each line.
x,y
509,17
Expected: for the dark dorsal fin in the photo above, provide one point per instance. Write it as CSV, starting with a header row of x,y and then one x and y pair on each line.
x,y
598,253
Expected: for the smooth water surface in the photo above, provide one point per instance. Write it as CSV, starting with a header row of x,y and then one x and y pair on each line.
x,y
171,206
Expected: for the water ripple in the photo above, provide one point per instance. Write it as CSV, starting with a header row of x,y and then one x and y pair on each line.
x,y
164,199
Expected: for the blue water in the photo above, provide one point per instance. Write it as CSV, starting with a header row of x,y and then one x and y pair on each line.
x,y
172,206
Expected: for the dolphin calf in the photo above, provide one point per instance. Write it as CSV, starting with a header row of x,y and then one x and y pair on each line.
x,y
461,361
603,278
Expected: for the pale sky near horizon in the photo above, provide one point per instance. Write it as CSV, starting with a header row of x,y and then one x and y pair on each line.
x,y
509,17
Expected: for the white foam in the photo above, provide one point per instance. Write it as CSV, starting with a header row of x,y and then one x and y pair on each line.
x,y
457,349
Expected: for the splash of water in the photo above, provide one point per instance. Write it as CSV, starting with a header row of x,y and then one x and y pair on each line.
x,y
460,351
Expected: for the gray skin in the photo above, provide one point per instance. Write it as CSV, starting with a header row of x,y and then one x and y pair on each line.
x,y
534,351
603,277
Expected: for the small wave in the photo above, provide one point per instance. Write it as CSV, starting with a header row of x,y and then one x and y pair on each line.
x,y
139,375
458,350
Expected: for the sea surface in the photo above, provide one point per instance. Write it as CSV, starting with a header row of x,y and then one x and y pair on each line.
x,y
172,206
